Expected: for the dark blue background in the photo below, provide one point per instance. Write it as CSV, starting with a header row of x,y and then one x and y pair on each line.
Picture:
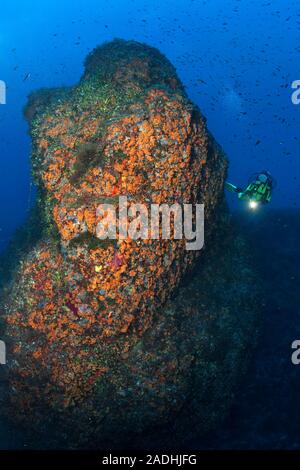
x,y
237,59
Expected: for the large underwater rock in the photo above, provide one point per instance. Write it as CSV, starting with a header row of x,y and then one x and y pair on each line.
x,y
104,342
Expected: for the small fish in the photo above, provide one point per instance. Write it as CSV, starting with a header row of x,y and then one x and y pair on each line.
x,y
27,77
201,81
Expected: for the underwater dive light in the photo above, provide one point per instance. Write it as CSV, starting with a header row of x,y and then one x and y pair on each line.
x,y
258,191
253,205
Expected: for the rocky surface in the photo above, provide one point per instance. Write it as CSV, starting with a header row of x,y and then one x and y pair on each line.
x,y
104,339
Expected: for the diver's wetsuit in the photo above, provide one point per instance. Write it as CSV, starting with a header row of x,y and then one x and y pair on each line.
x,y
258,190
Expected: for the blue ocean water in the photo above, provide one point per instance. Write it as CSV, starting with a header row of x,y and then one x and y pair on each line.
x,y
237,59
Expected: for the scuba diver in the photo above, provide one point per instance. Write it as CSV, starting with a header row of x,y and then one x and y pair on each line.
x,y
258,191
